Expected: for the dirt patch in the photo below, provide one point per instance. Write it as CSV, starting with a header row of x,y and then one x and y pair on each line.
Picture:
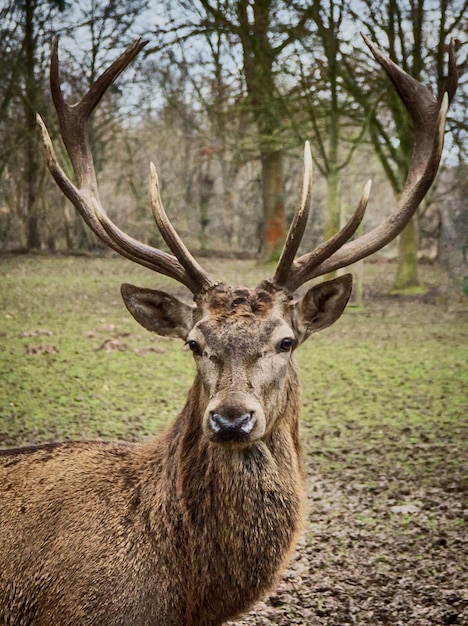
x,y
382,545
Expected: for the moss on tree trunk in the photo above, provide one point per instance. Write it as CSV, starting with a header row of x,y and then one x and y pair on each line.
x,y
407,278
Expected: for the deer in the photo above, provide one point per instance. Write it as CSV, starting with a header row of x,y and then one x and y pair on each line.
x,y
192,526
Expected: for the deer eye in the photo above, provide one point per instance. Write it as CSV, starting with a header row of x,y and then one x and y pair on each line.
x,y
194,347
285,345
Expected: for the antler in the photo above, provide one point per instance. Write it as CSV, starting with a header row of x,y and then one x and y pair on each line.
x,y
428,117
73,122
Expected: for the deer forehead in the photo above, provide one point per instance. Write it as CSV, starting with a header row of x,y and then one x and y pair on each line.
x,y
223,302
247,319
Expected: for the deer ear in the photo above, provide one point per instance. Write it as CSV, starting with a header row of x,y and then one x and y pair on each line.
x,y
158,311
321,306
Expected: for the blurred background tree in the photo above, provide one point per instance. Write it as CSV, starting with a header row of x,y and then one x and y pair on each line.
x,y
415,36
22,80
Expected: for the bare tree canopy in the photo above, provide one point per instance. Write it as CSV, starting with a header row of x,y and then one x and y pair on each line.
x,y
222,100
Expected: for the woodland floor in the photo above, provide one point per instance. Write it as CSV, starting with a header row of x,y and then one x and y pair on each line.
x,y
379,549
384,427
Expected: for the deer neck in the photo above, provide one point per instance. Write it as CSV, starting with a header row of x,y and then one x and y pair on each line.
x,y
210,477
186,461
232,514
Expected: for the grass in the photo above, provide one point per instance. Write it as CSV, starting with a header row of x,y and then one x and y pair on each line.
x,y
56,382
74,364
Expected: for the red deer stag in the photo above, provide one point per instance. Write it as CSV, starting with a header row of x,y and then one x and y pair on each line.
x,y
191,527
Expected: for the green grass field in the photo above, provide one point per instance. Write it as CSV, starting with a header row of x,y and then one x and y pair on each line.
x,y
74,363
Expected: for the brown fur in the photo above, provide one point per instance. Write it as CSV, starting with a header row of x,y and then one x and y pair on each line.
x,y
178,530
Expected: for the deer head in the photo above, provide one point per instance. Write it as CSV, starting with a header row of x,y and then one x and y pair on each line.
x,y
242,339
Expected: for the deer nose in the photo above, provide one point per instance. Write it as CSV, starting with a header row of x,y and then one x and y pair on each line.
x,y
230,424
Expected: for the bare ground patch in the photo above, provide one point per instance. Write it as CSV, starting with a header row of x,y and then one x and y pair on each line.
x,y
382,545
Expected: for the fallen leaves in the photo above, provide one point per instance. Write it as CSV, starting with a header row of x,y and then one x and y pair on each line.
x,y
117,345
38,332
113,343
39,349
121,341
144,350
406,509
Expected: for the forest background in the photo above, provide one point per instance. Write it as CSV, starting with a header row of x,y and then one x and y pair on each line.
x,y
222,99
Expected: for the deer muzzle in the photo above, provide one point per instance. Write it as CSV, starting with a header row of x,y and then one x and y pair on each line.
x,y
235,422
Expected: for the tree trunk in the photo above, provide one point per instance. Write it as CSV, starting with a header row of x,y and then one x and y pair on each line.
x,y
33,238
332,218
259,56
274,228
32,220
407,271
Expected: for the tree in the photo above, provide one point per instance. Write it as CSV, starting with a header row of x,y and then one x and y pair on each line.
x,y
414,35
24,31
96,31
327,113
263,31
197,89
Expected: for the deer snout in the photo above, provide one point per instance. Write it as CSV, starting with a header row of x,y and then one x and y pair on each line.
x,y
233,423
232,428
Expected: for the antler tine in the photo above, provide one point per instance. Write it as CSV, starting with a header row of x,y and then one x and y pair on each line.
x,y
170,235
303,269
100,224
428,117
299,223
73,121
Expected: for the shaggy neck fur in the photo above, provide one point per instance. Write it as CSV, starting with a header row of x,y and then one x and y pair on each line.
x,y
226,505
